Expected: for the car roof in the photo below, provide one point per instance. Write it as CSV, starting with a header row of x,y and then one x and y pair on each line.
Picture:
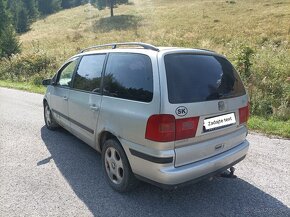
x,y
139,47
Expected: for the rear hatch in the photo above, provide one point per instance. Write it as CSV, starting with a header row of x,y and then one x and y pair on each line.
x,y
209,102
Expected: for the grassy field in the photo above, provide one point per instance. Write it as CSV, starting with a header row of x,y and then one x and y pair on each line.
x,y
217,25
270,126
254,34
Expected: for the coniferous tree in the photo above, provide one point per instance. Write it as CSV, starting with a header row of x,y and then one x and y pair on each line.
x,y
22,14
3,15
67,4
101,4
31,7
79,2
46,7
9,43
22,24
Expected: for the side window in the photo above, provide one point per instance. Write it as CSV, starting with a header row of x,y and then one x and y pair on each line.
x,y
89,73
129,76
66,73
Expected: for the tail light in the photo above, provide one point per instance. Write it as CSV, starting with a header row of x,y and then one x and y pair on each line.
x,y
165,128
160,128
186,128
244,114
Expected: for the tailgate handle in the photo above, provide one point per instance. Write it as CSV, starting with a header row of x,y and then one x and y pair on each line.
x,y
219,146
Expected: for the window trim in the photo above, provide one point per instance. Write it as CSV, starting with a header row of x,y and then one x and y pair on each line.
x,y
104,73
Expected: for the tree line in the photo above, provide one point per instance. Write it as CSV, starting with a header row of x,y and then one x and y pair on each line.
x,y
24,12
16,16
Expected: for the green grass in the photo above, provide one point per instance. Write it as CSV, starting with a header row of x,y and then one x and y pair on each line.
x,y
270,126
26,86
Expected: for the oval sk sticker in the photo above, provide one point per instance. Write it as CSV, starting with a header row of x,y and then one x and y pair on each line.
x,y
181,111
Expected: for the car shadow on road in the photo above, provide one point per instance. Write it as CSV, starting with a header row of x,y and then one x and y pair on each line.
x,y
81,167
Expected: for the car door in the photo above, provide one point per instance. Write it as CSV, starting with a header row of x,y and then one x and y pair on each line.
x,y
60,93
85,97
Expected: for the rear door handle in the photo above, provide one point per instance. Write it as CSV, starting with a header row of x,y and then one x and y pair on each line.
x,y
65,98
94,108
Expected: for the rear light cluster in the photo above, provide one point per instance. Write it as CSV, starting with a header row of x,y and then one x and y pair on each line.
x,y
244,114
165,128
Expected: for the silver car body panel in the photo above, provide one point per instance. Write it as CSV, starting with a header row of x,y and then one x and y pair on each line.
x,y
169,174
84,109
59,103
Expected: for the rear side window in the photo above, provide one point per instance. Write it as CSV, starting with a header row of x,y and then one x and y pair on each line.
x,y
129,76
197,78
89,73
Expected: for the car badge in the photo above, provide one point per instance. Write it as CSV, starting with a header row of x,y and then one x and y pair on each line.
x,y
221,105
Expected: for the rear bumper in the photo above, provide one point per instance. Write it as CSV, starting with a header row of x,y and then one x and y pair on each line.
x,y
167,175
170,186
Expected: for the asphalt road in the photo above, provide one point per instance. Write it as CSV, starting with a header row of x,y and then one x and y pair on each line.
x,y
44,173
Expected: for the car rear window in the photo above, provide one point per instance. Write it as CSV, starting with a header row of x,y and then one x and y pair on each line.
x,y
197,78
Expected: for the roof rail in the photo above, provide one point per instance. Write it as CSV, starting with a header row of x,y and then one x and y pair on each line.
x,y
115,45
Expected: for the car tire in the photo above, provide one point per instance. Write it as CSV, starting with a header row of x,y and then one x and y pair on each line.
x,y
50,123
116,167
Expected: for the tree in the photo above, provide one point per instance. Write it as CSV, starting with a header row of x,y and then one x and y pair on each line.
x,y
22,12
79,2
9,43
3,15
22,21
31,7
46,7
67,4
102,4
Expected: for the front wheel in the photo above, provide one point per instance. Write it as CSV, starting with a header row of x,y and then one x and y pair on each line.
x,y
117,170
50,123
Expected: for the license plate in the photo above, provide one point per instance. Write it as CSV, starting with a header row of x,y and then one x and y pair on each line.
x,y
219,121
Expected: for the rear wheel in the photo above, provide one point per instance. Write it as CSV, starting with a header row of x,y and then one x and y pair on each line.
x,y
117,170
50,123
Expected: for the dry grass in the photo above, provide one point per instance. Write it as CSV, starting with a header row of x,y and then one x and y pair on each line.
x,y
217,24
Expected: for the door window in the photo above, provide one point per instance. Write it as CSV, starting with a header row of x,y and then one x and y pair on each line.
x,y
66,74
129,76
89,73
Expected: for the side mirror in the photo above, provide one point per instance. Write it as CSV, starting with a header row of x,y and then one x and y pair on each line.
x,y
46,82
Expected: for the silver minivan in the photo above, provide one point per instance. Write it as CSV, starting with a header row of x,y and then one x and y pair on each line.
x,y
168,116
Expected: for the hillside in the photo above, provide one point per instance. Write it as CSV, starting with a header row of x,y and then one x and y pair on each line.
x,y
218,24
254,35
